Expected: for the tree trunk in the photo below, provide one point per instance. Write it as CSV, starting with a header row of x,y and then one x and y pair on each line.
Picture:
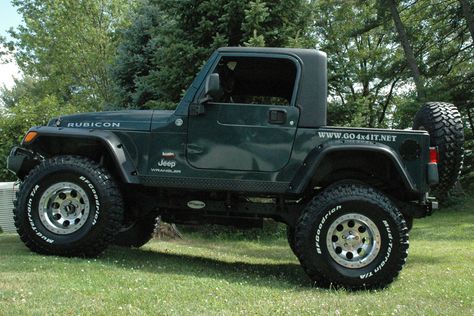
x,y
409,55
387,101
468,15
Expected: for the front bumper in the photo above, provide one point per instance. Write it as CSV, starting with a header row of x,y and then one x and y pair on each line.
x,y
21,161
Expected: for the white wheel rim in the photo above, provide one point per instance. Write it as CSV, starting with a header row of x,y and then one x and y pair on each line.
x,y
64,208
353,240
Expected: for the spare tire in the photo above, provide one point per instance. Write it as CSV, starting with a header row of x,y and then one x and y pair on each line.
x,y
443,122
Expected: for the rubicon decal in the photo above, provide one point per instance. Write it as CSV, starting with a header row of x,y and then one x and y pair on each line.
x,y
358,136
94,124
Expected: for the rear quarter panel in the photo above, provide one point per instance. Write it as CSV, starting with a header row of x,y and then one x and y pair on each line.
x,y
310,142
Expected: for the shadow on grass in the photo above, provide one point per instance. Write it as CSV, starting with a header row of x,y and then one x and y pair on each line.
x,y
273,250
286,275
276,275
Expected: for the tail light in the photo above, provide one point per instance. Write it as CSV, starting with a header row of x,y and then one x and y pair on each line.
x,y
434,156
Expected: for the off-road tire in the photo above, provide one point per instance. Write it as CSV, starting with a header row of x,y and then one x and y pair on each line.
x,y
338,201
443,122
102,199
290,236
137,233
317,279
409,221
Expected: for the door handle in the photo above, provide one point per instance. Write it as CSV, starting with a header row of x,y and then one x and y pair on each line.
x,y
194,149
277,116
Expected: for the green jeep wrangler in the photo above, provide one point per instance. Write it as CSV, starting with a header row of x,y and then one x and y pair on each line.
x,y
248,141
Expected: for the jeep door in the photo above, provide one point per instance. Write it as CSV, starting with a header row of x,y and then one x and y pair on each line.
x,y
252,126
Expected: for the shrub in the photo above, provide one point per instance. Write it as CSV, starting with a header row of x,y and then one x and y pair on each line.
x,y
17,120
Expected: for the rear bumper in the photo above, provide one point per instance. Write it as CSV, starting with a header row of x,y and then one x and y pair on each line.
x,y
21,161
431,204
422,208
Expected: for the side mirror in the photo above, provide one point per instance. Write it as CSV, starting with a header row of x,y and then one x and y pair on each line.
x,y
212,92
212,88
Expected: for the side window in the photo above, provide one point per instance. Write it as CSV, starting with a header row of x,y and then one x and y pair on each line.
x,y
253,80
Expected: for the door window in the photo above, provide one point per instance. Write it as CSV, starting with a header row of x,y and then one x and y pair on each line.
x,y
252,80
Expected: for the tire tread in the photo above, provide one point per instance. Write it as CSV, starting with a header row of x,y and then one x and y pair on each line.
x,y
112,196
342,192
443,122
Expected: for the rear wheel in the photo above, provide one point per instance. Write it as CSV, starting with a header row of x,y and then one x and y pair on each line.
x,y
136,234
443,122
409,221
352,236
68,206
316,277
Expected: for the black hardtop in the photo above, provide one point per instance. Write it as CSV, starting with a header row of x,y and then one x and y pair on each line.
x,y
300,52
312,92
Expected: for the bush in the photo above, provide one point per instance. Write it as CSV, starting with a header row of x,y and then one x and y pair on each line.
x,y
17,120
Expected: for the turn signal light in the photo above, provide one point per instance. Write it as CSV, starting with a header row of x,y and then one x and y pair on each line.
x,y
434,156
30,136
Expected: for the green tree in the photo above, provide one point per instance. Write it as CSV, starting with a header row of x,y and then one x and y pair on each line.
x,y
254,17
26,87
437,52
407,47
365,70
467,11
170,40
17,120
68,46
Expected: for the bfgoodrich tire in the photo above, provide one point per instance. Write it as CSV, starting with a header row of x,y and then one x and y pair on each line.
x,y
136,234
353,236
290,236
68,206
316,277
443,122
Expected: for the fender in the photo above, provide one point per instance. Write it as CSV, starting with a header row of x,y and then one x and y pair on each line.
x,y
106,138
314,159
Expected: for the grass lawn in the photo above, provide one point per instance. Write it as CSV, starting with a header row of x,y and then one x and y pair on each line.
x,y
198,276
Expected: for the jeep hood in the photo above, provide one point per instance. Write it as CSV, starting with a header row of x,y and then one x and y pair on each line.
x,y
137,120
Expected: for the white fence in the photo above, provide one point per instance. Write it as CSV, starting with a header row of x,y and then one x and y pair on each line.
x,y
7,194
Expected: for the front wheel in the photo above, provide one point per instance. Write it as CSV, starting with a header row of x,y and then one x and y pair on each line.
x,y
68,206
353,236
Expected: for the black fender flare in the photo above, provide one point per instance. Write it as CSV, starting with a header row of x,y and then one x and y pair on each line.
x,y
108,139
314,159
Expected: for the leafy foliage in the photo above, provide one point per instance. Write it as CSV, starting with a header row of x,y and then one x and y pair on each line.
x,y
170,40
16,121
365,68
121,53
69,45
